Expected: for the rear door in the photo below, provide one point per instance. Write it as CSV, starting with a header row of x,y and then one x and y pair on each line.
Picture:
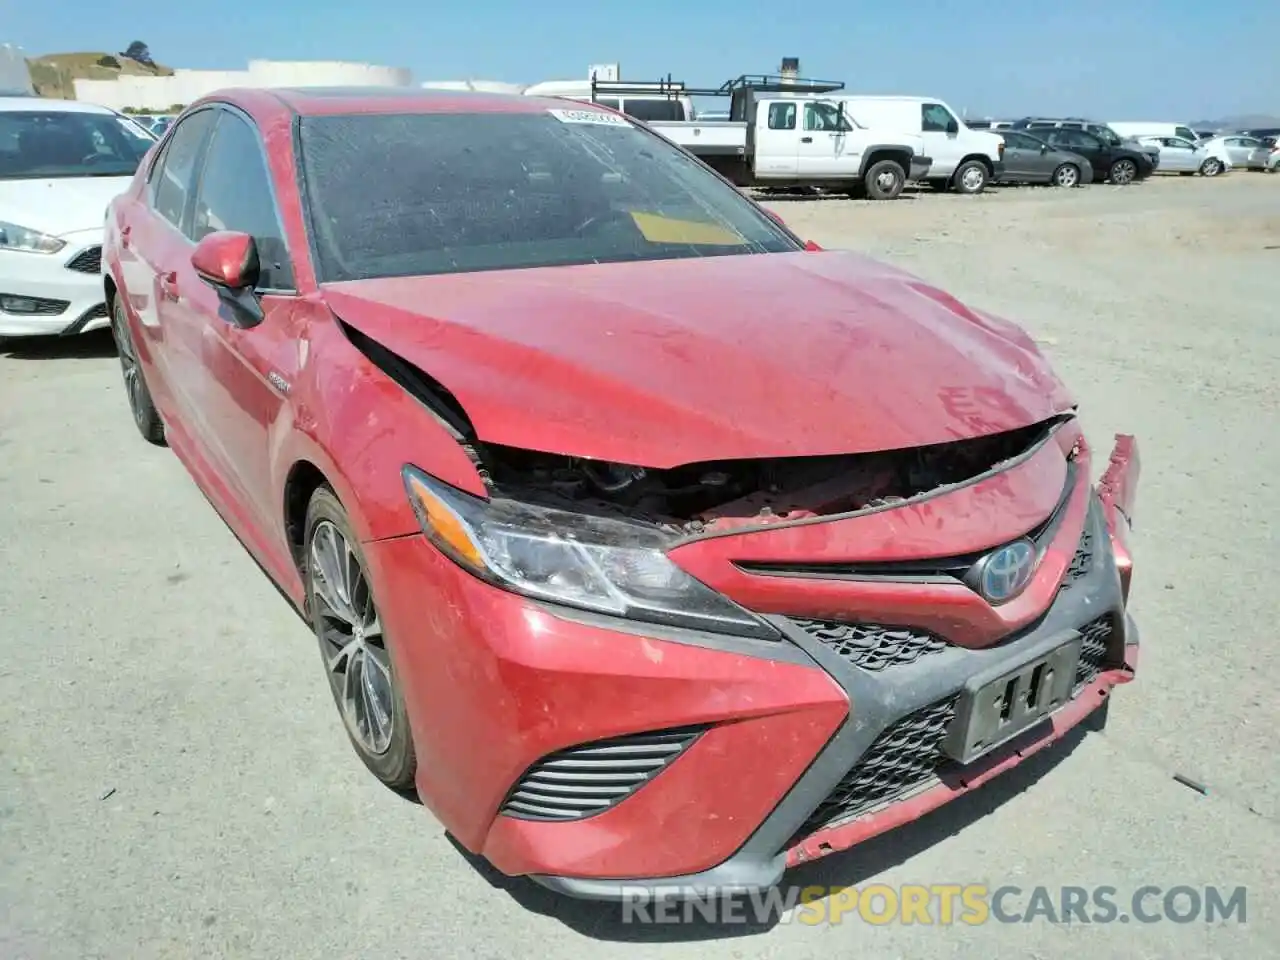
x,y
245,371
777,139
1178,154
159,247
1239,148
1085,144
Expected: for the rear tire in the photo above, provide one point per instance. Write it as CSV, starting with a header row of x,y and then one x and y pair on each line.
x,y
1067,175
145,416
970,178
353,644
884,180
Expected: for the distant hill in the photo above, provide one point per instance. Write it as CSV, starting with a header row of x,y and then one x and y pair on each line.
x,y
53,74
1246,121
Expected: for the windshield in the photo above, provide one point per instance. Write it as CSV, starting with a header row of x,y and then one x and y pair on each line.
x,y
37,144
416,194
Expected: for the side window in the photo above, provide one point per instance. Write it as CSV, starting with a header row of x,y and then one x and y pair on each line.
x,y
782,116
173,175
824,117
648,110
235,194
934,118
1185,132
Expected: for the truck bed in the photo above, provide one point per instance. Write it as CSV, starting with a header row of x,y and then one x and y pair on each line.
x,y
711,138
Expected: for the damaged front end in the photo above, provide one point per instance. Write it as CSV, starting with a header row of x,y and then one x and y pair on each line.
x,y
703,498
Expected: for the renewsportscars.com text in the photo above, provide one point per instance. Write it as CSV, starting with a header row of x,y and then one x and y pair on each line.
x,y
943,904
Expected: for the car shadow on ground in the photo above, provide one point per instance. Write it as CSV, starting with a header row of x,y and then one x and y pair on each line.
x,y
95,344
615,922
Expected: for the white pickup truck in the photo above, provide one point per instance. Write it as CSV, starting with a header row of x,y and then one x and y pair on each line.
x,y
785,133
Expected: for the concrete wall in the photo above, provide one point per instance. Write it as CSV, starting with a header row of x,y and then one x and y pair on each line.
x,y
483,86
14,75
159,93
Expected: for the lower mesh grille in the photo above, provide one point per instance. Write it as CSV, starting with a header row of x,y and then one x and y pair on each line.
x,y
1094,651
903,758
88,260
872,647
586,780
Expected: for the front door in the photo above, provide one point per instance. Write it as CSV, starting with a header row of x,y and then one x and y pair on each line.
x,y
940,131
825,142
248,361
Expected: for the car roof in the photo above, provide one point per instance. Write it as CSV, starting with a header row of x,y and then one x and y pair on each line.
x,y
49,105
322,101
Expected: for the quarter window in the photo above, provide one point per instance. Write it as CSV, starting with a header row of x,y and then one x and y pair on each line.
x,y
235,194
782,116
174,173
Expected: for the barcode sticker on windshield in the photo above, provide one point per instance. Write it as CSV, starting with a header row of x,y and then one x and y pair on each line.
x,y
589,116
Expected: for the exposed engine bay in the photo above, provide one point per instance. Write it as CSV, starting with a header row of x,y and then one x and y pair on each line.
x,y
698,496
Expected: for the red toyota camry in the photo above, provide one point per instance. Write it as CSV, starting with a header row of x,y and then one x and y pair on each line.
x,y
657,550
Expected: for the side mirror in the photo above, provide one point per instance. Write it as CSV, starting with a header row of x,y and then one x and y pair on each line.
x,y
227,260
1044,148
775,218
952,126
811,247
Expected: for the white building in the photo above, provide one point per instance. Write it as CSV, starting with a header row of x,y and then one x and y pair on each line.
x,y
185,86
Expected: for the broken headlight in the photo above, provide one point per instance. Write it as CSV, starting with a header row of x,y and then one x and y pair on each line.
x,y
594,563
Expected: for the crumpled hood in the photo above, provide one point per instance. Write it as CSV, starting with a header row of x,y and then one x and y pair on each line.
x,y
662,363
60,205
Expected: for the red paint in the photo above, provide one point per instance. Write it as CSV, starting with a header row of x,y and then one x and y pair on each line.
x,y
657,364
742,371
1117,490
846,835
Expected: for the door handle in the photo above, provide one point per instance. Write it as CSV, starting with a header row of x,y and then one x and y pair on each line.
x,y
806,139
169,285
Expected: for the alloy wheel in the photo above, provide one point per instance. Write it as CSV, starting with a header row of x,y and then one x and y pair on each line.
x,y
128,362
1067,176
1212,167
1123,172
351,639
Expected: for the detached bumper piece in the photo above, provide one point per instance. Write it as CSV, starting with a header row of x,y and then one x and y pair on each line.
x,y
586,780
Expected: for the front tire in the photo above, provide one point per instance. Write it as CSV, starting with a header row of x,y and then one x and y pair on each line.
x,y
1067,175
1123,172
1211,167
971,178
143,408
884,180
357,660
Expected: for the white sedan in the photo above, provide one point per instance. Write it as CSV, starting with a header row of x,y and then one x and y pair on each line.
x,y
1179,155
61,163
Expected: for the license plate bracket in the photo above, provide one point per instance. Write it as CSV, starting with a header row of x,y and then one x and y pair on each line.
x,y
998,704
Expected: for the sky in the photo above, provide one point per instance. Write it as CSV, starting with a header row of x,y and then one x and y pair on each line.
x,y
1095,58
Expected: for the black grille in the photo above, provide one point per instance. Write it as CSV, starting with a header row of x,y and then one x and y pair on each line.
x,y
872,647
1095,651
585,780
88,260
902,759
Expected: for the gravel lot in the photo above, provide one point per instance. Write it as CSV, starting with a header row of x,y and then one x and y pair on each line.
x,y
174,780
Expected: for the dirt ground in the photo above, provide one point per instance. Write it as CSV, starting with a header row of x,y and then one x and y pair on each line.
x,y
174,781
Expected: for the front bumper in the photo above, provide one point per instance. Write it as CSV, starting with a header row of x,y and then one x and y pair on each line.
x,y
60,293
780,766
919,168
